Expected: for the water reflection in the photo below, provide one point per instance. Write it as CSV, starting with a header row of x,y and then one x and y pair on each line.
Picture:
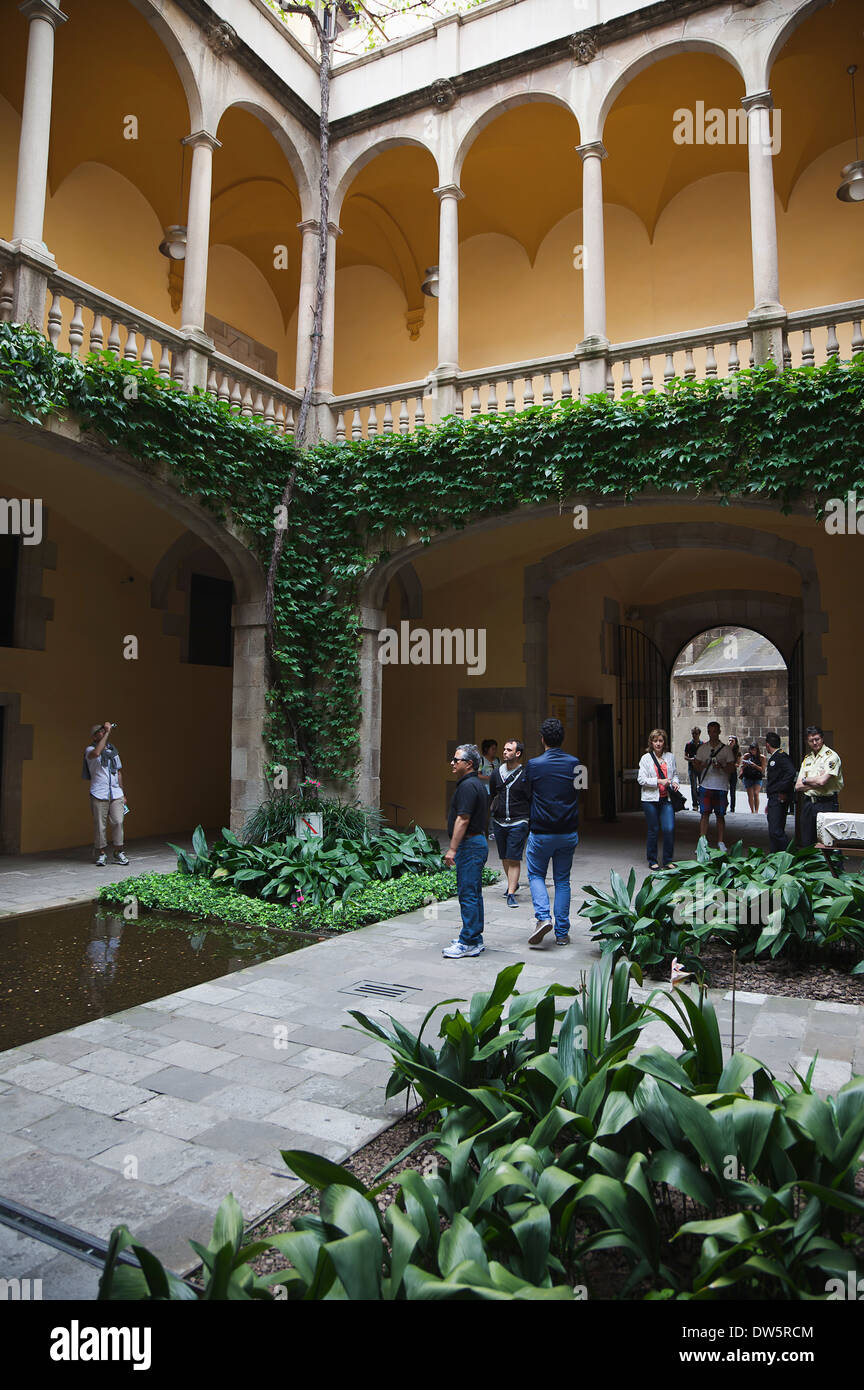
x,y
70,965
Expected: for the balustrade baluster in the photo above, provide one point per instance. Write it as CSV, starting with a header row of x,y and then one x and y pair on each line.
x,y
752,359
247,403
130,352
626,376
55,319
357,425
164,361
475,400
566,386
147,353
689,365
279,413
236,398
95,341
668,370
528,393
509,397
403,416
548,394
857,340
459,410
388,418
340,427
6,296
114,338
258,407
647,375
833,344
492,398
419,413
734,365
289,418
610,382
787,351
212,384
178,370
224,389
372,422
270,411
76,329
710,360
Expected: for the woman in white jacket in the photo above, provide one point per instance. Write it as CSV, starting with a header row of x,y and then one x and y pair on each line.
x,y
659,812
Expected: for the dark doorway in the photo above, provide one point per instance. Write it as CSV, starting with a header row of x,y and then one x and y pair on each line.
x,y
210,603
9,557
643,705
606,761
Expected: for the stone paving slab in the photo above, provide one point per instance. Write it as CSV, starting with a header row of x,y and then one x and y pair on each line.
x,y
204,1087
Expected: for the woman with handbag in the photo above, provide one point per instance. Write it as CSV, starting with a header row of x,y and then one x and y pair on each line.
x,y
658,778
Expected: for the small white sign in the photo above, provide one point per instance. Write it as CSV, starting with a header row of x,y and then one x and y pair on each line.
x,y
309,825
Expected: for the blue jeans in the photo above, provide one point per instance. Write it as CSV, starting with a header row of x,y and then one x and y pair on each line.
x,y
660,816
558,848
470,858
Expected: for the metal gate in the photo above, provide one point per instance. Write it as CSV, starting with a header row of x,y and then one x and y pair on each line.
x,y
643,705
796,702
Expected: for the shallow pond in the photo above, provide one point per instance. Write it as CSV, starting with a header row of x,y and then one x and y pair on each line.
x,y
72,964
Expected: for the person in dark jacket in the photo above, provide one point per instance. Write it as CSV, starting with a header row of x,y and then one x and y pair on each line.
x,y
468,849
554,780
510,806
780,789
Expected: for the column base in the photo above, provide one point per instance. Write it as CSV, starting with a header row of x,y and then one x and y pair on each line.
x,y
29,274
593,365
442,402
196,358
767,323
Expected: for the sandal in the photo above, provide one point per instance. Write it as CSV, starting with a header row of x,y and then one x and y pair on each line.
x,y
655,865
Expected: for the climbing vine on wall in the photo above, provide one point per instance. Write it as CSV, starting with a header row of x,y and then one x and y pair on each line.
x,y
782,436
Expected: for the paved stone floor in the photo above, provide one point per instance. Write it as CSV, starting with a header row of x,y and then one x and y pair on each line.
x,y
150,1116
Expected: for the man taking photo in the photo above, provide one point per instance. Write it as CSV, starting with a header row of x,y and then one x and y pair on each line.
x,y
103,766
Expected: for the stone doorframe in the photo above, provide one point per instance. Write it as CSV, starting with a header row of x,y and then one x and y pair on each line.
x,y
248,710
675,622
706,535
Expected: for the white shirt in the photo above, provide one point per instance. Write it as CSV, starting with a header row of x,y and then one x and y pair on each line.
x,y
103,786
716,779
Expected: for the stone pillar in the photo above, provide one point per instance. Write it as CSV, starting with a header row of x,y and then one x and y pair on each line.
x,y
369,763
594,343
249,785
306,302
35,261
768,316
449,196
196,357
324,393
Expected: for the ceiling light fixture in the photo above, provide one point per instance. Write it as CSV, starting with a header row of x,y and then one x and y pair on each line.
x,y
851,189
430,284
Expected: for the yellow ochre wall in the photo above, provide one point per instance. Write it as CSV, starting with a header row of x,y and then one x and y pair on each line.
x,y
173,718
478,581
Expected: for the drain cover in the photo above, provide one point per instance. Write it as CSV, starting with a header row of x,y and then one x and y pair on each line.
x,y
380,990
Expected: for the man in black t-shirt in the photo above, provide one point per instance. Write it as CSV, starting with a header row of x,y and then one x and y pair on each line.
x,y
780,787
468,849
690,751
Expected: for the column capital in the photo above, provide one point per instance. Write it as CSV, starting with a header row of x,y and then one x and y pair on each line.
x,y
43,9
202,138
594,149
334,229
449,190
312,226
758,101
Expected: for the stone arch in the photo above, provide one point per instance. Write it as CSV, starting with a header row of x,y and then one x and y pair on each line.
x,y
344,180
674,623
272,121
496,109
233,547
160,22
787,29
665,48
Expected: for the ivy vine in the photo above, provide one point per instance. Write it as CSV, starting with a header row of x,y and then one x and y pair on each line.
x,y
782,435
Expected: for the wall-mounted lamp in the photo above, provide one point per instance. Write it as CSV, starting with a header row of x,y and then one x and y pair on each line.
x,y
173,244
851,189
430,284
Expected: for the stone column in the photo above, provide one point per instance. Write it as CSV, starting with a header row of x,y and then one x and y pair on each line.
x,y
306,302
35,261
372,620
768,316
197,254
594,343
249,785
449,196
324,393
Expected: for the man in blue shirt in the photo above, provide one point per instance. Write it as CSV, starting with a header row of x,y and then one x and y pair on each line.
x,y
553,781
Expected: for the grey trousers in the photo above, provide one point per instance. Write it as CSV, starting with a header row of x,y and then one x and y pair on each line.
x,y
103,812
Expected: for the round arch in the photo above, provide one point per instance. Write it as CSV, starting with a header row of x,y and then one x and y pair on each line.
x,y
270,120
498,108
670,48
344,180
173,44
787,29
